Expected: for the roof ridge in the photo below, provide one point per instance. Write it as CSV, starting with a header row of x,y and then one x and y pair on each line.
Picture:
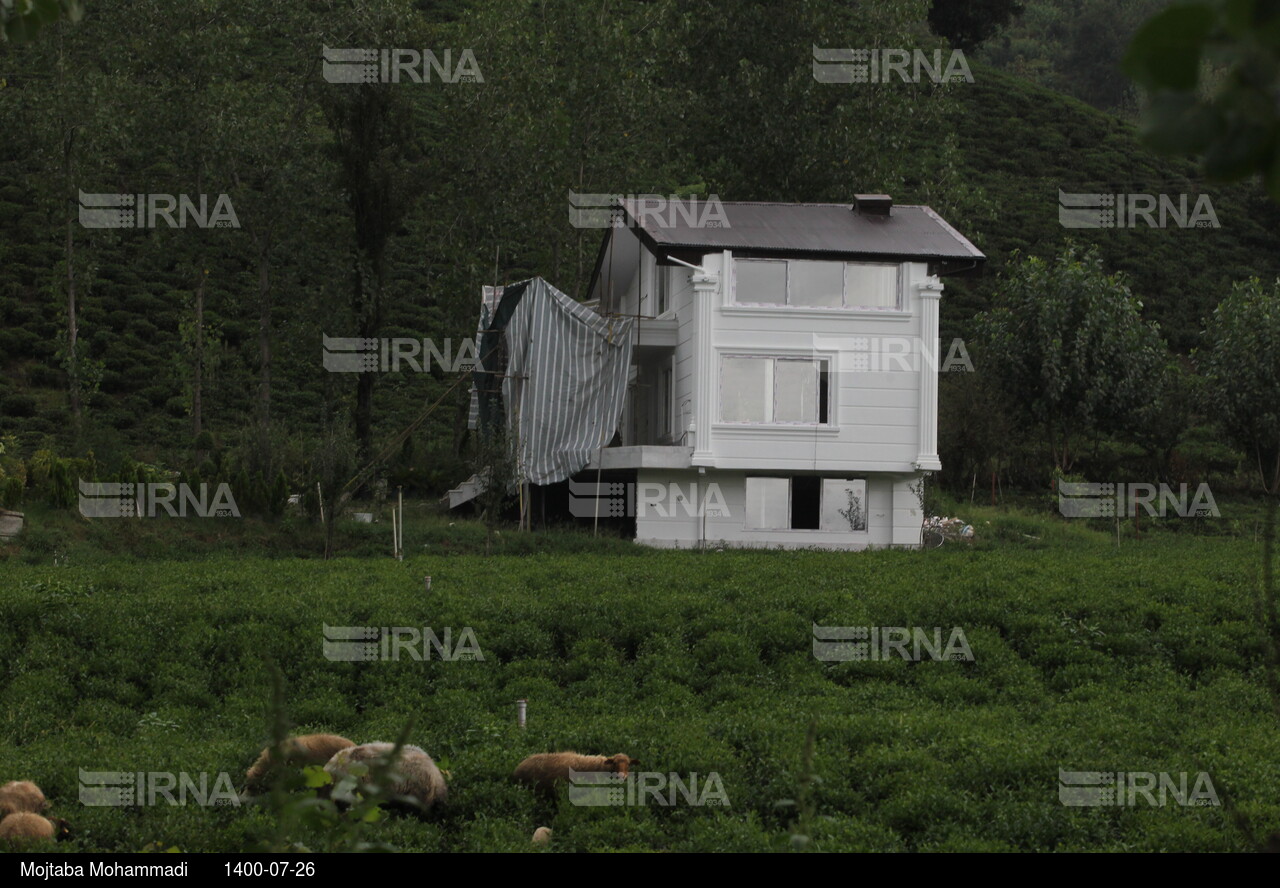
x,y
786,203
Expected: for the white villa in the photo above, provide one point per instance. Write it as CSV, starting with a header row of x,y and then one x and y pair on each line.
x,y
785,362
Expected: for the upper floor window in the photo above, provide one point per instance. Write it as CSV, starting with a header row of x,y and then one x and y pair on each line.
x,y
809,284
774,390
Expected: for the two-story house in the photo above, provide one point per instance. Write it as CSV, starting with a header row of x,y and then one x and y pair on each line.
x,y
783,386
747,374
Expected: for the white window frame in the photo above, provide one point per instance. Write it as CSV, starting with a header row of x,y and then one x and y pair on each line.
x,y
858,484
897,286
824,486
824,363
898,304
746,498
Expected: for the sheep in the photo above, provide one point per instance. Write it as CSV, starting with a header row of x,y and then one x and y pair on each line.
x,y
26,826
415,779
19,796
309,749
544,770
542,835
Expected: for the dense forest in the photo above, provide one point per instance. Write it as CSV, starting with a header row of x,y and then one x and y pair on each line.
x,y
381,209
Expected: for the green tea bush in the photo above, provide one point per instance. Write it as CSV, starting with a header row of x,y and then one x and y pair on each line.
x,y
1137,659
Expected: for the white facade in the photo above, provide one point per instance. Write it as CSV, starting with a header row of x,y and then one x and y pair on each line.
x,y
751,373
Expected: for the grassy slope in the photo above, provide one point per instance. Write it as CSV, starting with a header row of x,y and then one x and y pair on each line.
x,y
692,663
1021,143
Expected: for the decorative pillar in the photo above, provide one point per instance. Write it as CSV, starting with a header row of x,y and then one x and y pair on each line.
x,y
928,293
706,375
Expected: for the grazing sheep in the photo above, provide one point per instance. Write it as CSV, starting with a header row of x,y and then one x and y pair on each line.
x,y
542,836
544,770
19,796
415,776
309,749
26,826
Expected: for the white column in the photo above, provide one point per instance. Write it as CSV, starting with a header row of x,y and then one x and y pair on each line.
x,y
706,290
928,293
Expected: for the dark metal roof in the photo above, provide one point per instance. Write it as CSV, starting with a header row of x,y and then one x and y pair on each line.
x,y
836,230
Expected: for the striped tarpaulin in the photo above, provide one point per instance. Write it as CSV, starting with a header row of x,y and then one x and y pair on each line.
x,y
489,298
566,378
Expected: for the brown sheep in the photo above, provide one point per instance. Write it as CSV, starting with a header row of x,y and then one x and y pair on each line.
x,y
19,796
26,826
416,780
309,749
542,835
546,769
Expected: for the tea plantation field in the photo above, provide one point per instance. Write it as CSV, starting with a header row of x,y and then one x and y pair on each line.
x,y
1087,657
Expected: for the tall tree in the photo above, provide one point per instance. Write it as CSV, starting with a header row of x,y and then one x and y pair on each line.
x,y
968,23
379,149
379,173
1242,368
1068,344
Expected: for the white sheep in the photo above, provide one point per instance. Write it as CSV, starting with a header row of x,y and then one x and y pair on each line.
x,y
26,827
414,777
21,795
308,749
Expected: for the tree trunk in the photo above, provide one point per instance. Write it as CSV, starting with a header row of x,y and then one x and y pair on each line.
x,y
197,382
73,369
264,329
368,301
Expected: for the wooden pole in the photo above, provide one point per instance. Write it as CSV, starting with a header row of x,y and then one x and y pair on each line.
x,y
520,494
